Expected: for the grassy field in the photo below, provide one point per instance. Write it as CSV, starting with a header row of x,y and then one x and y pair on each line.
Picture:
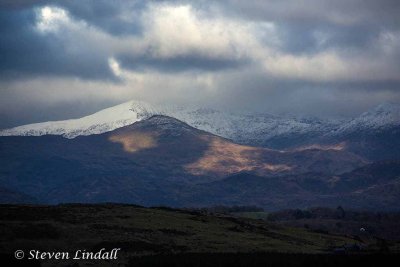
x,y
140,231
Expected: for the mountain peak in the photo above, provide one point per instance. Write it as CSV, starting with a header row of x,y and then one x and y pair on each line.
x,y
102,121
163,125
383,116
246,128
386,108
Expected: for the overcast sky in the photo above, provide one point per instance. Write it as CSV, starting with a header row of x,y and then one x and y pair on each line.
x,y
65,59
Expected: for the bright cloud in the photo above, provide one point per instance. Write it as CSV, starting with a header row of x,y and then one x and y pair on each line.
x,y
51,18
174,31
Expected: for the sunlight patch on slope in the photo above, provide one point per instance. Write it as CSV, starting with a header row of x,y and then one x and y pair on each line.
x,y
134,142
224,158
337,147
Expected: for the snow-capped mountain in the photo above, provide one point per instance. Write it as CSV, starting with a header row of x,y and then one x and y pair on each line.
x,y
99,122
154,157
241,127
248,128
383,116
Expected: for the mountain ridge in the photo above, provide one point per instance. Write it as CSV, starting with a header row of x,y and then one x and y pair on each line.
x,y
246,128
150,162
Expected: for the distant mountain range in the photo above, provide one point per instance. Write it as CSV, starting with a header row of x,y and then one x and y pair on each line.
x,y
146,162
245,128
136,153
242,127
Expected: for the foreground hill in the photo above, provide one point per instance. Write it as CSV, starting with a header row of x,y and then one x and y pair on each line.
x,y
142,231
167,237
380,225
151,162
9,196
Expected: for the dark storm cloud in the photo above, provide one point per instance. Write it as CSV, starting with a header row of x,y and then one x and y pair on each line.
x,y
17,4
319,12
311,38
314,57
24,52
302,28
303,98
344,23
108,15
180,63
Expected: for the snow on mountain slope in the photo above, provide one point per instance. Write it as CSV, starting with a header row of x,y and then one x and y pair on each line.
x,y
99,122
236,126
249,128
379,118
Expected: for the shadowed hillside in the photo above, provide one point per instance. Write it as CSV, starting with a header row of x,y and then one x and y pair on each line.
x,y
151,162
